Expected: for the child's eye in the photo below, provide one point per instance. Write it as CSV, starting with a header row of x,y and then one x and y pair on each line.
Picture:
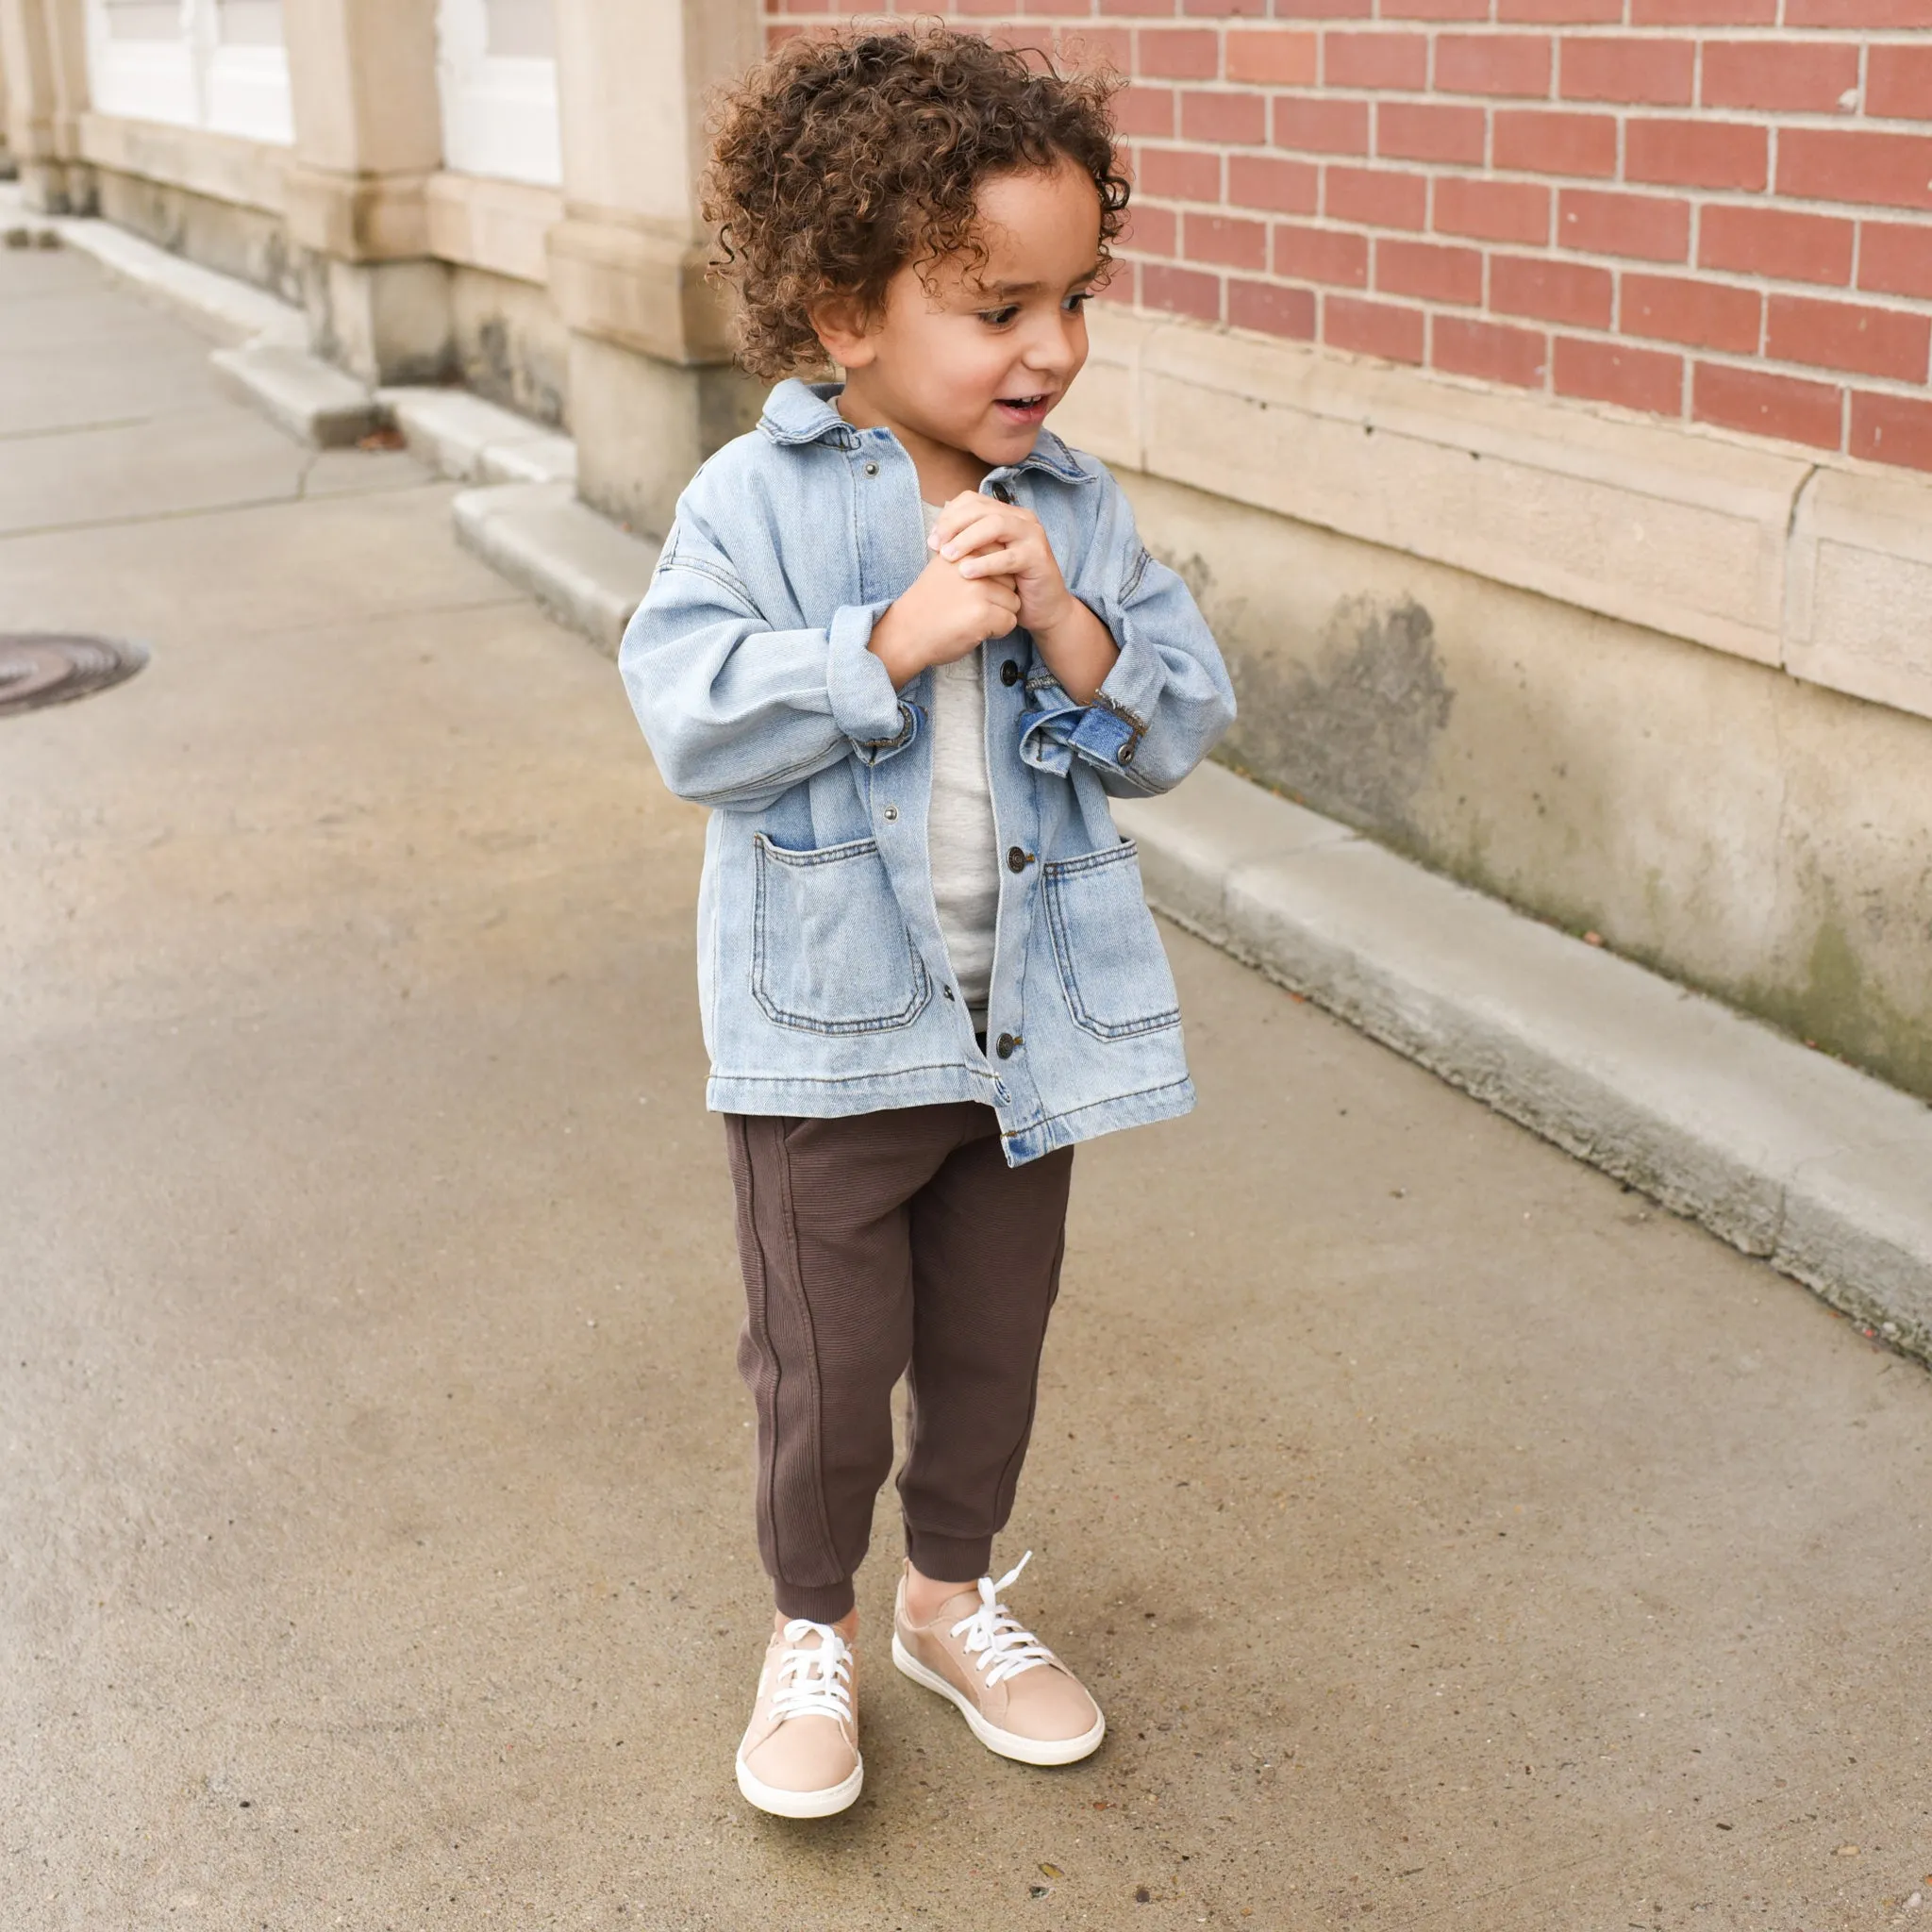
x,y
998,318
1073,304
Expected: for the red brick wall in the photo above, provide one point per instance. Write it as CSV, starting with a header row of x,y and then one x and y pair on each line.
x,y
1715,211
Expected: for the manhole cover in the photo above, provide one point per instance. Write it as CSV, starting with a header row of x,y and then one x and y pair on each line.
x,y
48,668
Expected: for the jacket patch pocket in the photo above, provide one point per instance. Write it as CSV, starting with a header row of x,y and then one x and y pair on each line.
x,y
1112,966
831,951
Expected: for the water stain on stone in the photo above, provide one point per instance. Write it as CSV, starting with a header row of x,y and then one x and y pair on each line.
x,y
1353,727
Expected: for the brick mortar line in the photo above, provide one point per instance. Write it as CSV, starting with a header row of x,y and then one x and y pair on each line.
x,y
1849,381
1806,120
1072,21
1848,291
1860,213
1825,295
1801,290
1614,334
1314,25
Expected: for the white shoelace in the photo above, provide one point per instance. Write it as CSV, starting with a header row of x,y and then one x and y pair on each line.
x,y
820,1680
995,1638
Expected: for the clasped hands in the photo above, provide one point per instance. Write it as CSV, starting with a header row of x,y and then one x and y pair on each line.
x,y
993,570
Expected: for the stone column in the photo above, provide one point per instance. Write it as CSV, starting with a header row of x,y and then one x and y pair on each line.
x,y
368,136
43,56
651,389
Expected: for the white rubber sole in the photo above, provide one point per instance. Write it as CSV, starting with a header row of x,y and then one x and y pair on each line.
x,y
781,1804
1007,1743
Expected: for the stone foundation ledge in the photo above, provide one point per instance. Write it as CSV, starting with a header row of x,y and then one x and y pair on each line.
x,y
1822,1171
581,566
1817,565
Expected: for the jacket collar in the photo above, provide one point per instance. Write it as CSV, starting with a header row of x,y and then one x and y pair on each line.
x,y
800,412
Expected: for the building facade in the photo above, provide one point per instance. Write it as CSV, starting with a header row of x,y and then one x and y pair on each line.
x,y
1534,391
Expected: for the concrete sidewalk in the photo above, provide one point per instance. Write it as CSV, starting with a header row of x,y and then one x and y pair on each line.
x,y
1455,1540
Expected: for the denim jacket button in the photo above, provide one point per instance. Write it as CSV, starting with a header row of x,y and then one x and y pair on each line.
x,y
1017,860
891,815
1010,672
1007,1043
872,469
1003,495
1125,754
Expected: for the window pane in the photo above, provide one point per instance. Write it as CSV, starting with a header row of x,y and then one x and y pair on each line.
x,y
251,23
143,20
522,28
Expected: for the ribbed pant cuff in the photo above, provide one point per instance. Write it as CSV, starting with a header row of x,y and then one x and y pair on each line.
x,y
818,1603
949,1559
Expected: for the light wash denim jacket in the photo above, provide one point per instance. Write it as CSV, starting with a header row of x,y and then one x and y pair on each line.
x,y
823,975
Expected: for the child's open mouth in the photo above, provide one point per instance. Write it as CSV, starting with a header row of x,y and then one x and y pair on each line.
x,y
1023,409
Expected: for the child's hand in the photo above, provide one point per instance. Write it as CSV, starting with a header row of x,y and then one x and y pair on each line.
x,y
1004,543
940,617
987,538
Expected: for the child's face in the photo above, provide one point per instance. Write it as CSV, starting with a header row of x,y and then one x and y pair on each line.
x,y
974,363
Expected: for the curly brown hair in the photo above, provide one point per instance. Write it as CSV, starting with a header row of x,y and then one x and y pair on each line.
x,y
845,156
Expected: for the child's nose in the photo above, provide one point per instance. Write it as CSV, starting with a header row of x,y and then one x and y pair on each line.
x,y
1050,349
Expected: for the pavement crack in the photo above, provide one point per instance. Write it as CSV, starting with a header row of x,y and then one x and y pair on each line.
x,y
201,509
53,429
159,516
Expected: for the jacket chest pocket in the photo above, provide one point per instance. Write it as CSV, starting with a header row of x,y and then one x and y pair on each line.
x,y
1112,967
831,951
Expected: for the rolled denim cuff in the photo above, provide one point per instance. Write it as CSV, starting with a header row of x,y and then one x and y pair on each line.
x,y
1050,738
864,704
1104,736
1046,738
910,717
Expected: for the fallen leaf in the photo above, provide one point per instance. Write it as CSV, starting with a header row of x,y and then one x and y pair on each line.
x,y
1052,1871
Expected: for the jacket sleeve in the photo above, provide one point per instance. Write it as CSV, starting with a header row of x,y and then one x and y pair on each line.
x,y
1167,700
736,712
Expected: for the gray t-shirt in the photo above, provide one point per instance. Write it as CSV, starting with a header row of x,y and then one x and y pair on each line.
x,y
962,840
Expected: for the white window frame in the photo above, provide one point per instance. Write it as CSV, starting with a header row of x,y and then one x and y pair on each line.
x,y
193,80
500,115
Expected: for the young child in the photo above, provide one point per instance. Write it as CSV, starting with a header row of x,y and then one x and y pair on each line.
x,y
905,642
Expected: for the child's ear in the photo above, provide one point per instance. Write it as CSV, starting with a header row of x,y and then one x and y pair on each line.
x,y
842,329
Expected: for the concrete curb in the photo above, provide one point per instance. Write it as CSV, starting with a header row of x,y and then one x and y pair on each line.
x,y
299,393
1823,1171
469,440
578,565
233,312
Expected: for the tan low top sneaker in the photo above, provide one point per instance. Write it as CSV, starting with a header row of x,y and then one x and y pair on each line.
x,y
1019,1698
799,1757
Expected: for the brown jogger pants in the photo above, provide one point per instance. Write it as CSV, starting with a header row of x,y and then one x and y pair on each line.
x,y
871,1245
